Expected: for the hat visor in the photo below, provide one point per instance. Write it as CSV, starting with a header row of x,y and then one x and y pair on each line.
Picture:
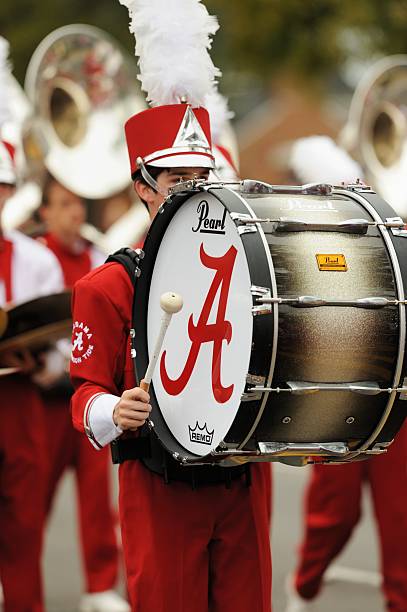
x,y
188,160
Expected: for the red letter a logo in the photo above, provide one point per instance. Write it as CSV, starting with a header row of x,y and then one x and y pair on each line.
x,y
208,332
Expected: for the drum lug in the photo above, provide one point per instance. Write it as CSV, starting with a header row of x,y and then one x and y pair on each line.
x,y
244,223
303,448
395,229
188,185
380,447
359,187
250,396
246,229
239,218
260,291
255,379
403,390
265,293
222,445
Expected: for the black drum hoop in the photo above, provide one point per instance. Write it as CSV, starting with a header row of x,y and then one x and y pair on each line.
x,y
157,423
399,408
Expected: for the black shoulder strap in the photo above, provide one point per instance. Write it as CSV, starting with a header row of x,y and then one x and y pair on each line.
x,y
129,259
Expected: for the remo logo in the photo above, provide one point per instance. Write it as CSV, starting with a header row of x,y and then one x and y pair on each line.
x,y
203,332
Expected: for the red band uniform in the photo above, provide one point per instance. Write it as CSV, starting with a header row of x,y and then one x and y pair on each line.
x,y
185,549
67,448
332,510
333,496
27,270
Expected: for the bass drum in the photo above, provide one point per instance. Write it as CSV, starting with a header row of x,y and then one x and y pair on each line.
x,y
290,345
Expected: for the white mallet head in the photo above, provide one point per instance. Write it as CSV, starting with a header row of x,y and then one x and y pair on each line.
x,y
171,302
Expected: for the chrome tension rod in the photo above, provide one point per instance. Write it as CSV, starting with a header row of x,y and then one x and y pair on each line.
x,y
285,224
311,301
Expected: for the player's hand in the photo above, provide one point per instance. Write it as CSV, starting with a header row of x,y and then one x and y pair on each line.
x,y
133,409
22,359
52,367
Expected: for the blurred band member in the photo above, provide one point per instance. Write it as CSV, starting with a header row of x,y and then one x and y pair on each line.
x,y
63,213
333,496
27,270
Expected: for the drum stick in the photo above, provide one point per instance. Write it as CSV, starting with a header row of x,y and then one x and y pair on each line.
x,y
170,303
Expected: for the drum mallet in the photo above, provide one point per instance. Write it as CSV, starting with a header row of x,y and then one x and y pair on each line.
x,y
170,303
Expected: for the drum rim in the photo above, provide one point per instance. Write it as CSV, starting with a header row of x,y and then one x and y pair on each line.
x,y
139,321
389,243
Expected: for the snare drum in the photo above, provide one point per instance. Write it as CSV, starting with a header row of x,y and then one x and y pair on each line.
x,y
291,342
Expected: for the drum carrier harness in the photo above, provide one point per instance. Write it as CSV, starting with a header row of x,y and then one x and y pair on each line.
x,y
147,448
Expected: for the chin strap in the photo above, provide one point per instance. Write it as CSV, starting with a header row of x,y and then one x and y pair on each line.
x,y
149,179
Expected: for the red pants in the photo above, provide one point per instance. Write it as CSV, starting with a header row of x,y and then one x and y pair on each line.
x,y
333,508
200,550
22,488
66,447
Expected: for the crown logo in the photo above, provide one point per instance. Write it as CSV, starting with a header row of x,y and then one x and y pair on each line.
x,y
201,434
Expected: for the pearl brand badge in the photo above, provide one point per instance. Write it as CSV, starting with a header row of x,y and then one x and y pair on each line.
x,y
82,348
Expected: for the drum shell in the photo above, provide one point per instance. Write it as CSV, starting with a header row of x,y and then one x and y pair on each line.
x,y
359,345
334,416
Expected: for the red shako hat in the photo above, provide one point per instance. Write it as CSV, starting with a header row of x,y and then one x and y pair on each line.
x,y
173,135
224,165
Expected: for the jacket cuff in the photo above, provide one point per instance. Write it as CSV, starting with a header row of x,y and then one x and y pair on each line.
x,y
98,419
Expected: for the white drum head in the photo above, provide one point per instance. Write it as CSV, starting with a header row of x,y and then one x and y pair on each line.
x,y
201,372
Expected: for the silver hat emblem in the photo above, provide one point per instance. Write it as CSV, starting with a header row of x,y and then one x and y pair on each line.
x,y
190,133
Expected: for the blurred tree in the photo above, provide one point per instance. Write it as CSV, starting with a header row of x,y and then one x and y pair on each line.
x,y
307,37
26,22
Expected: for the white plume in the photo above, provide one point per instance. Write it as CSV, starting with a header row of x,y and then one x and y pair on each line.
x,y
318,158
172,42
5,113
219,113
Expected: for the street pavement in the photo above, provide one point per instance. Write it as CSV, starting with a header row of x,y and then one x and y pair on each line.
x,y
358,564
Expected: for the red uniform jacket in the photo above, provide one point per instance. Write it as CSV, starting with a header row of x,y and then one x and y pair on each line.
x,y
101,362
75,262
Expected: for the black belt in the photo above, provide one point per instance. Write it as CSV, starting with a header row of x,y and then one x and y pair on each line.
x,y
154,457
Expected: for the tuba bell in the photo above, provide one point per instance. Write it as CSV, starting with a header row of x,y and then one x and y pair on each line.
x,y
82,87
376,130
27,197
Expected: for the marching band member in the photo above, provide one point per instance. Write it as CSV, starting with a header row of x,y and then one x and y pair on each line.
x,y
333,496
63,213
203,548
27,270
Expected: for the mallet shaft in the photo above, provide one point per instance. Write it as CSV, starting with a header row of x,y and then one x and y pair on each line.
x,y
170,303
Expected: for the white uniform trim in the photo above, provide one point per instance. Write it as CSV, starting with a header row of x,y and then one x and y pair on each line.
x,y
97,257
35,271
98,419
